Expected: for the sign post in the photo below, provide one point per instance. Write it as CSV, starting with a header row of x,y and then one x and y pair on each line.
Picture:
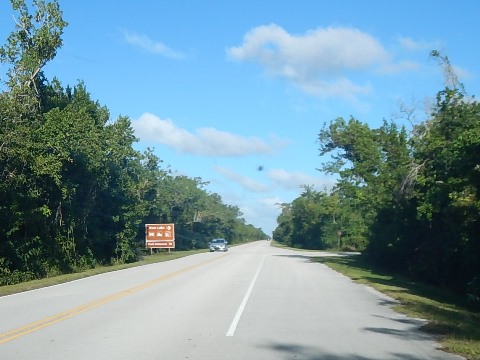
x,y
160,236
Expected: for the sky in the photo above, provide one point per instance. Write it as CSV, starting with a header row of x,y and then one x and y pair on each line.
x,y
236,92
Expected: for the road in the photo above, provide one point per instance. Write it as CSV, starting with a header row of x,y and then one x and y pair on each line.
x,y
253,302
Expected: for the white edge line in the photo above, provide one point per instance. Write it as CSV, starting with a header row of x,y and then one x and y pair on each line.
x,y
238,315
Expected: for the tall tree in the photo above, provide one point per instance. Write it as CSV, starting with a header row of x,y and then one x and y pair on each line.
x,y
30,47
33,43
74,190
370,163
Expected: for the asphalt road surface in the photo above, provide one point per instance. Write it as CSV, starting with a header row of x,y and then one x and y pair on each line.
x,y
253,302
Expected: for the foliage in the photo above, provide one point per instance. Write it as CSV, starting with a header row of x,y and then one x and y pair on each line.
x,y
447,194
413,200
319,220
75,193
370,163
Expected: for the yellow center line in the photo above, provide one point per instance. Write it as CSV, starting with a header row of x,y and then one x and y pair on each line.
x,y
51,320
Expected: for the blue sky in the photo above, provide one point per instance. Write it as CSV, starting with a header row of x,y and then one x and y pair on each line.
x,y
221,88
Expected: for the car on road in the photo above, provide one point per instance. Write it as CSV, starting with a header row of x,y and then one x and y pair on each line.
x,y
218,245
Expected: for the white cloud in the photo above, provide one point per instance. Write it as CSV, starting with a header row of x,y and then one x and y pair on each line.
x,y
244,181
461,73
273,202
264,212
320,61
204,141
152,46
292,180
415,45
393,68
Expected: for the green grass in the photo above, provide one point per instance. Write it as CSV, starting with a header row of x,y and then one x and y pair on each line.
x,y
452,319
147,259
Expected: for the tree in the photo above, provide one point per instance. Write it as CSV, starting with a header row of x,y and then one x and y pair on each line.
x,y
22,157
283,231
74,191
371,164
35,42
434,233
447,192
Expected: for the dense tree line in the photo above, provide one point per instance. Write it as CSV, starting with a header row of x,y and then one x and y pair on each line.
x,y
409,200
74,192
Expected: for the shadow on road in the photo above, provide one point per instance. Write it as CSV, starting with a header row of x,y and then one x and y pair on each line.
x,y
296,256
295,351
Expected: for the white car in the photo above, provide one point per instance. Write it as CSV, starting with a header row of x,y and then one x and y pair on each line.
x,y
218,245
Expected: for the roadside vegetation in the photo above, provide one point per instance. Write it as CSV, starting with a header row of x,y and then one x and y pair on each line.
x,y
450,317
75,193
407,197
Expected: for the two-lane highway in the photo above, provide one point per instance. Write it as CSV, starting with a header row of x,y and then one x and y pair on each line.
x,y
253,302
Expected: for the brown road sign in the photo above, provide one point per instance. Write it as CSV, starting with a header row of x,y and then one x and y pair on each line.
x,y
160,235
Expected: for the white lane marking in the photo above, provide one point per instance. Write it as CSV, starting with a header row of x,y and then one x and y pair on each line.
x,y
238,315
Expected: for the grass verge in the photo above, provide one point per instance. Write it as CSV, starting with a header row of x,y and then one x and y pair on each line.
x,y
50,281
449,317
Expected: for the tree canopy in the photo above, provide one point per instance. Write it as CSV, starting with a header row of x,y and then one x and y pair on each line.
x,y
409,200
75,192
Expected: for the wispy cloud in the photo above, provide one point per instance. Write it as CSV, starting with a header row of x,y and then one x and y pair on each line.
x,y
244,181
264,210
416,45
292,180
319,62
204,141
260,210
402,66
152,46
461,72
